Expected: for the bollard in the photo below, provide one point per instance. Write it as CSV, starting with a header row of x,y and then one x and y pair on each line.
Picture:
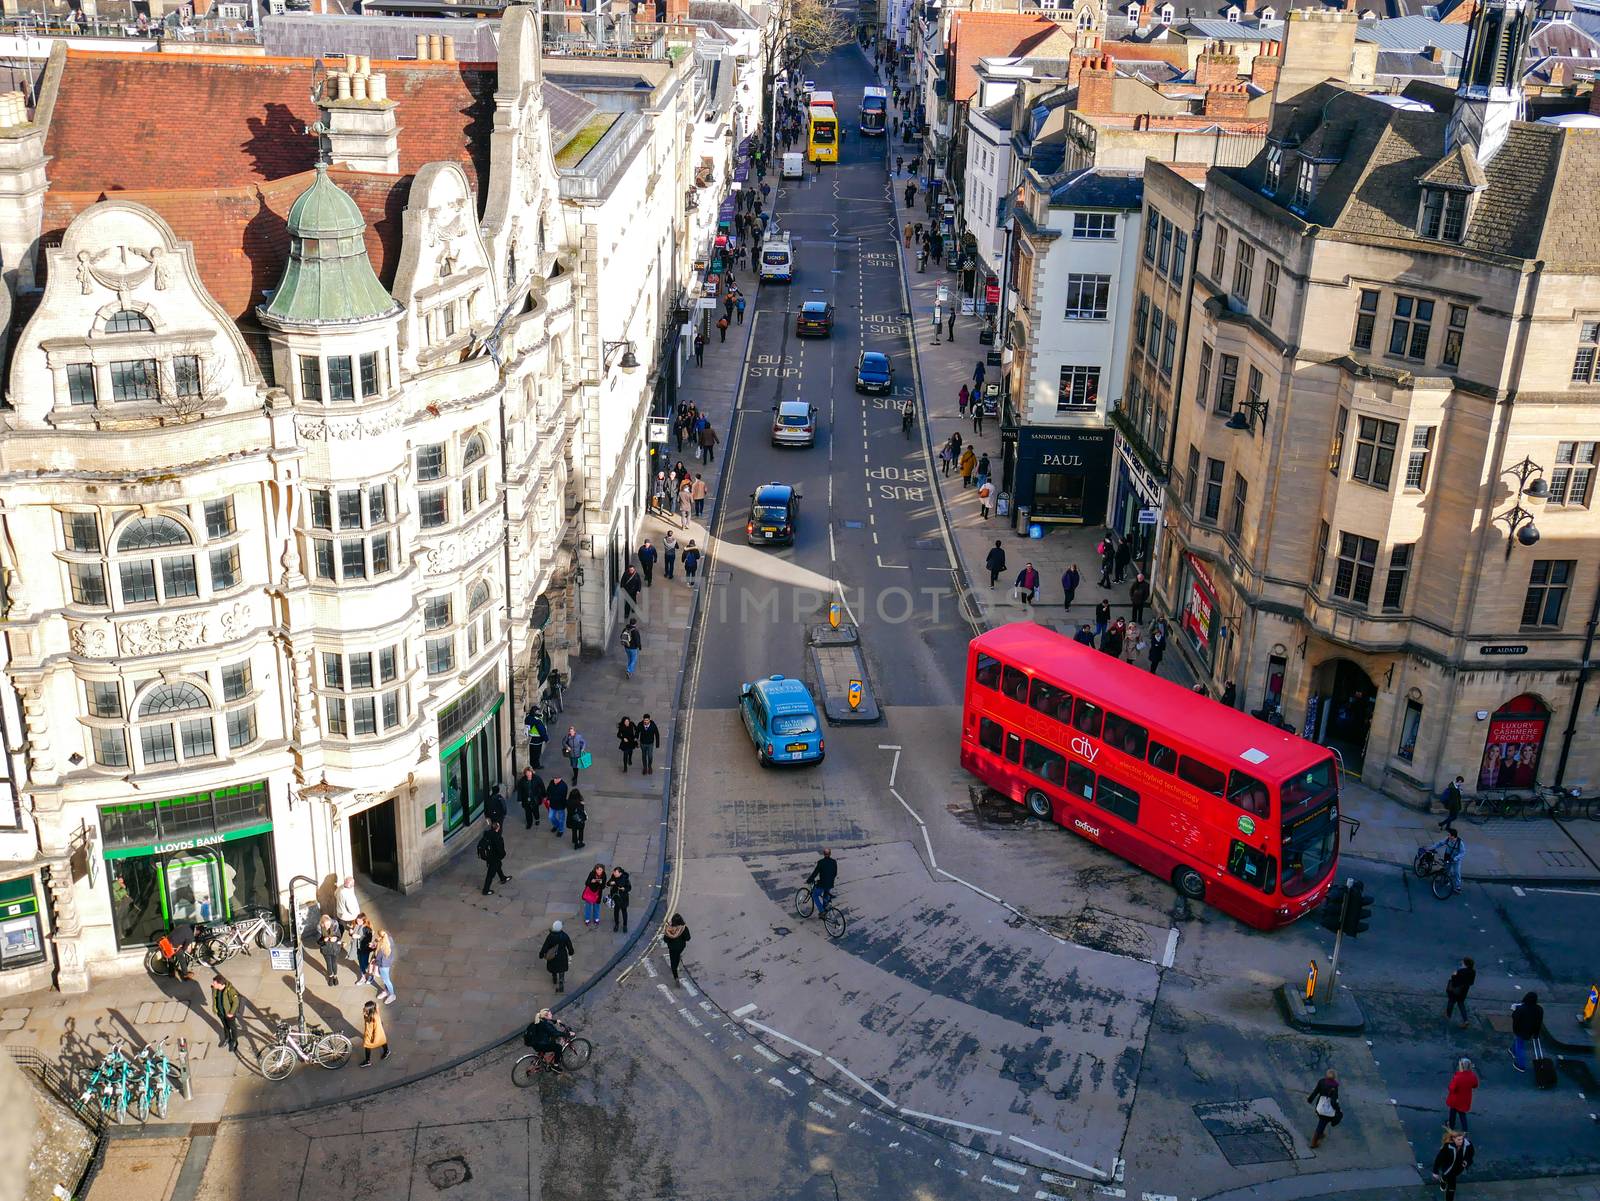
x,y
184,1084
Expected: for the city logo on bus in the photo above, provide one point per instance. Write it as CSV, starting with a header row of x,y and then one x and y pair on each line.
x,y
1247,824
1083,747
1091,831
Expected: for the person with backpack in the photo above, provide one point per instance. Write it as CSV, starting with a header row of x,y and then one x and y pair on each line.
x,y
530,795
632,643
691,562
494,808
1454,1158
492,850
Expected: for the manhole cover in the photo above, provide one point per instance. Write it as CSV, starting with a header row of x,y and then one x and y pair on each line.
x,y
447,1173
1248,1132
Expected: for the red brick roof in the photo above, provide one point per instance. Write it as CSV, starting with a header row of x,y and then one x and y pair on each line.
x,y
979,35
240,240
161,121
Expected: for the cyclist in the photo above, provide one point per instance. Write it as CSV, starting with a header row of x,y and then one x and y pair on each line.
x,y
546,1035
182,937
821,879
1450,848
905,417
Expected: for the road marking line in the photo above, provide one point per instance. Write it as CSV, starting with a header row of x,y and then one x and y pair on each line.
x,y
1171,952
1057,1155
1008,1166
939,1163
1567,892
933,1117
689,988
690,1018
766,1053
891,566
1107,1190
649,968
1052,1178
933,862
860,1081
744,1009
974,887
895,766
844,604
1041,1195
1516,889
823,1109
1005,1184
708,1007
666,992
779,1084
839,1097
779,1034
1158,1197
833,554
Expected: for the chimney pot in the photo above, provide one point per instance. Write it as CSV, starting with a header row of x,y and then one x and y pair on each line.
x,y
435,47
449,48
422,47
358,88
378,87
342,88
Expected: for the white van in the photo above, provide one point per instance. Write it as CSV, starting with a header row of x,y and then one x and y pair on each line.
x,y
794,165
777,259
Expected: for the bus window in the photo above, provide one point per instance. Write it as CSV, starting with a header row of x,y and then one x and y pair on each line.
x,y
1086,717
1309,847
1307,785
1249,794
1254,867
1014,748
1202,775
987,671
1118,800
1080,781
990,735
1163,758
1015,685
1129,737
1044,763
1053,702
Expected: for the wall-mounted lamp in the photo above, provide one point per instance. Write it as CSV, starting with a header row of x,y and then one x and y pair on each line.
x,y
1255,408
628,362
1518,520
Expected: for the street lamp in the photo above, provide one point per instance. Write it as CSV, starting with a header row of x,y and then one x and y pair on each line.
x,y
1256,408
1518,520
628,362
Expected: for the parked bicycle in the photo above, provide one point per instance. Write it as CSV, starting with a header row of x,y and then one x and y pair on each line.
x,y
153,1073
221,943
551,703
573,1053
109,1085
308,1044
833,918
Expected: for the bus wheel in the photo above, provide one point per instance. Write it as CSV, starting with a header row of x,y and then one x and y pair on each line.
x,y
1038,804
1190,883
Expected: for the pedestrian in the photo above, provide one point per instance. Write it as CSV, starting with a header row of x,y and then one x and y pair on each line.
x,y
685,504
632,644
555,801
330,935
1139,596
1456,989
676,936
738,307
699,349
1027,583
1084,636
977,415
899,164
697,493
1111,641
708,443
981,475
1230,694
361,939
691,562
576,749
722,330
577,818
911,194
538,735
383,957
985,493
557,955
649,740
594,888
897,127
1124,558
950,334
669,555
907,232
632,583
1070,579
346,906
1450,798
1158,642
961,400
530,795
492,850
978,373
373,1035
969,463
995,561
1108,559
727,304
1458,1097
1454,1158
494,808
1102,617
1527,1023
947,459
618,889
627,740
647,561
1324,1099
225,1004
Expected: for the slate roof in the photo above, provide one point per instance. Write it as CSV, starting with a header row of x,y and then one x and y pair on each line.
x,y
978,35
729,16
568,111
1092,188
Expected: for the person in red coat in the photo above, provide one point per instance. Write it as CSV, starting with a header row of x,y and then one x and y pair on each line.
x,y
1458,1097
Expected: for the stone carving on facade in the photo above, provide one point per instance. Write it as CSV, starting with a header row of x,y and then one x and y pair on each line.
x,y
121,269
41,755
528,161
451,553
91,639
162,635
233,621
318,429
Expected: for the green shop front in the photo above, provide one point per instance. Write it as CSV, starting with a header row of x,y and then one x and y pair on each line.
x,y
203,857
469,755
21,933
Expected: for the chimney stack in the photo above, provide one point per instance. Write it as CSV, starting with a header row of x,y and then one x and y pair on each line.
x,y
1227,101
22,189
1265,65
1215,66
1097,86
362,132
1318,45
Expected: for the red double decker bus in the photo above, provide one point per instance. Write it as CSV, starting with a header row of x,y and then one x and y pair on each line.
x,y
1232,811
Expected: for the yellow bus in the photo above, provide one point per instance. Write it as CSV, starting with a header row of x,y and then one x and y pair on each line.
x,y
823,140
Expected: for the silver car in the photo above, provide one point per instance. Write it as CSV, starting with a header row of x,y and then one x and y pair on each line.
x,y
794,423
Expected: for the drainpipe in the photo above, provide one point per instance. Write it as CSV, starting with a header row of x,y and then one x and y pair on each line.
x,y
1577,693
505,550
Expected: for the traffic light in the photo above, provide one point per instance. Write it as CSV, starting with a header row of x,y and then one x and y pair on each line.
x,y
1358,912
1332,912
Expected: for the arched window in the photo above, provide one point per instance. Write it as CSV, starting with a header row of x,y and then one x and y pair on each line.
x,y
173,698
164,741
474,473
476,449
127,321
144,533
1085,19
478,597
480,620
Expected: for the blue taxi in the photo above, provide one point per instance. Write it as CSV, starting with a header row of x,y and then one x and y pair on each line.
x,y
782,721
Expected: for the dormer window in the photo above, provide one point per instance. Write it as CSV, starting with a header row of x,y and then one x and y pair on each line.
x,y
1273,174
1305,186
1232,15
1444,214
1133,13
1268,15
1165,14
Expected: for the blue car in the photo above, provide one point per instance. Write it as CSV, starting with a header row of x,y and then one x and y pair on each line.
x,y
782,721
874,373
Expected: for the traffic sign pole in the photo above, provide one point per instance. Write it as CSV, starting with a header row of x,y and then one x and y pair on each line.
x,y
1338,943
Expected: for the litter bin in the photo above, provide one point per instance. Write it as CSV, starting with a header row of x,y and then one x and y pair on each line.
x,y
1022,520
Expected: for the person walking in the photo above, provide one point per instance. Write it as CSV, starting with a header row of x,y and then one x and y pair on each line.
x,y
1458,1097
1324,1099
373,1035
1450,798
492,850
618,889
669,555
538,735
691,562
738,307
627,740
1102,618
1070,579
594,888
985,494
995,561
530,795
1454,1157
1139,597
950,333
906,230
575,747
383,957
1112,640
1108,560
981,475
1124,558
961,400
685,503
911,194
728,299
699,349
225,1004
632,583
1456,989
676,936
969,463
946,459
979,371
494,806
1527,1023
330,937
977,415
647,561
1027,583
557,955
697,493
708,442
632,644
577,818
361,939
722,330
1158,643
649,740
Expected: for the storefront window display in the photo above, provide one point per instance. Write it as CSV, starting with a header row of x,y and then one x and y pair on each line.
x,y
1513,744
469,732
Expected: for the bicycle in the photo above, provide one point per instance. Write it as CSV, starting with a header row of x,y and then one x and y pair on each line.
x,y
573,1053
155,1080
1559,804
108,1085
1426,862
221,943
833,918
551,703
309,1044
1443,887
1485,805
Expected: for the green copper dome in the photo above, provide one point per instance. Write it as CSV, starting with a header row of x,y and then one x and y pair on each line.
x,y
328,278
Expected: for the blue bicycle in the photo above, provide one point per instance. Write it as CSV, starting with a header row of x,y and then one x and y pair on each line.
x,y
154,1080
